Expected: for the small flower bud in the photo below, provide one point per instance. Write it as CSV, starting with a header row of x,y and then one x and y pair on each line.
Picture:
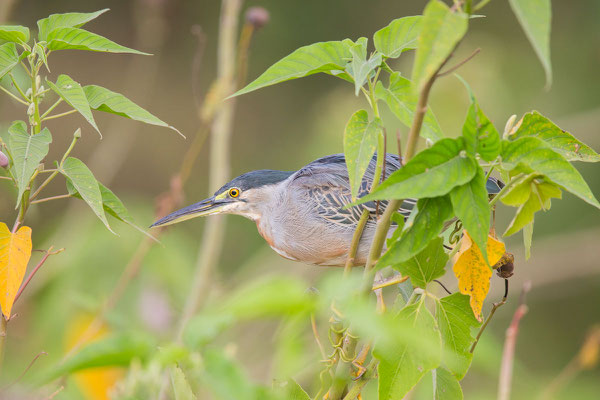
x,y
508,128
3,160
38,80
77,133
257,16
28,93
31,109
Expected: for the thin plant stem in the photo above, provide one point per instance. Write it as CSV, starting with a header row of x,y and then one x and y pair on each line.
x,y
360,227
495,306
359,385
13,96
16,85
460,64
505,189
48,253
52,107
62,196
59,115
480,5
7,178
508,354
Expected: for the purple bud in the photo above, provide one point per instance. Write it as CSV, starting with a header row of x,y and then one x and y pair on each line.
x,y
257,16
3,160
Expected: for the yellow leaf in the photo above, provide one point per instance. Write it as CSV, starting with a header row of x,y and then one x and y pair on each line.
x,y
473,272
94,383
15,251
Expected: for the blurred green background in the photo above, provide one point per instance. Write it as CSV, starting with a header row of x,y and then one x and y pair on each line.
x,y
285,127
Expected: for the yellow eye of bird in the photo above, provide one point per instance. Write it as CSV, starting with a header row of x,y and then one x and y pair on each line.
x,y
234,192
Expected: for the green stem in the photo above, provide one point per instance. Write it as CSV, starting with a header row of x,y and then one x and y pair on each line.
x,y
52,107
13,96
62,196
358,386
14,82
356,241
59,115
480,5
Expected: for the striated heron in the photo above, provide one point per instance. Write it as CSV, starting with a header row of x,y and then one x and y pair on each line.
x,y
301,213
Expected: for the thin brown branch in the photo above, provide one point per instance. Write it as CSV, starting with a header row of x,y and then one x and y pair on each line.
x,y
460,64
62,196
489,318
313,324
508,354
38,355
49,253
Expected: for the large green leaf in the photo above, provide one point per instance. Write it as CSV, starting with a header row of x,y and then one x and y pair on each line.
x,y
455,320
445,385
481,137
225,378
9,58
205,327
291,390
431,173
400,35
27,151
539,157
179,384
79,39
401,367
86,184
470,204
14,33
69,20
114,350
536,125
428,223
427,265
359,67
441,30
102,99
307,60
402,101
535,17
360,142
72,93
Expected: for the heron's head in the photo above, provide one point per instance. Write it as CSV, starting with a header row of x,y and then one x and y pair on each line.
x,y
245,195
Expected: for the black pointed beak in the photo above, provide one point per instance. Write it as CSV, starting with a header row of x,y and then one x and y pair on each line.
x,y
205,207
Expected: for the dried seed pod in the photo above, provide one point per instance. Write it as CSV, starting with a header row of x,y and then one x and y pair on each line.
x,y
3,160
257,16
505,267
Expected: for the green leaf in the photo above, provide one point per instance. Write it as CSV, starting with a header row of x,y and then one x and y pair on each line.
x,y
441,30
9,58
428,223
470,204
305,61
539,157
359,67
114,350
179,384
445,385
535,18
225,379
534,124
69,20
481,137
291,390
72,93
431,173
205,327
401,367
527,238
400,35
14,33
402,101
102,99
40,50
427,265
360,142
537,192
112,205
27,151
80,39
455,320
86,184
271,297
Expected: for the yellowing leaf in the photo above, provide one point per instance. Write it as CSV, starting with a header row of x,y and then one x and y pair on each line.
x,y
15,251
94,383
473,272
